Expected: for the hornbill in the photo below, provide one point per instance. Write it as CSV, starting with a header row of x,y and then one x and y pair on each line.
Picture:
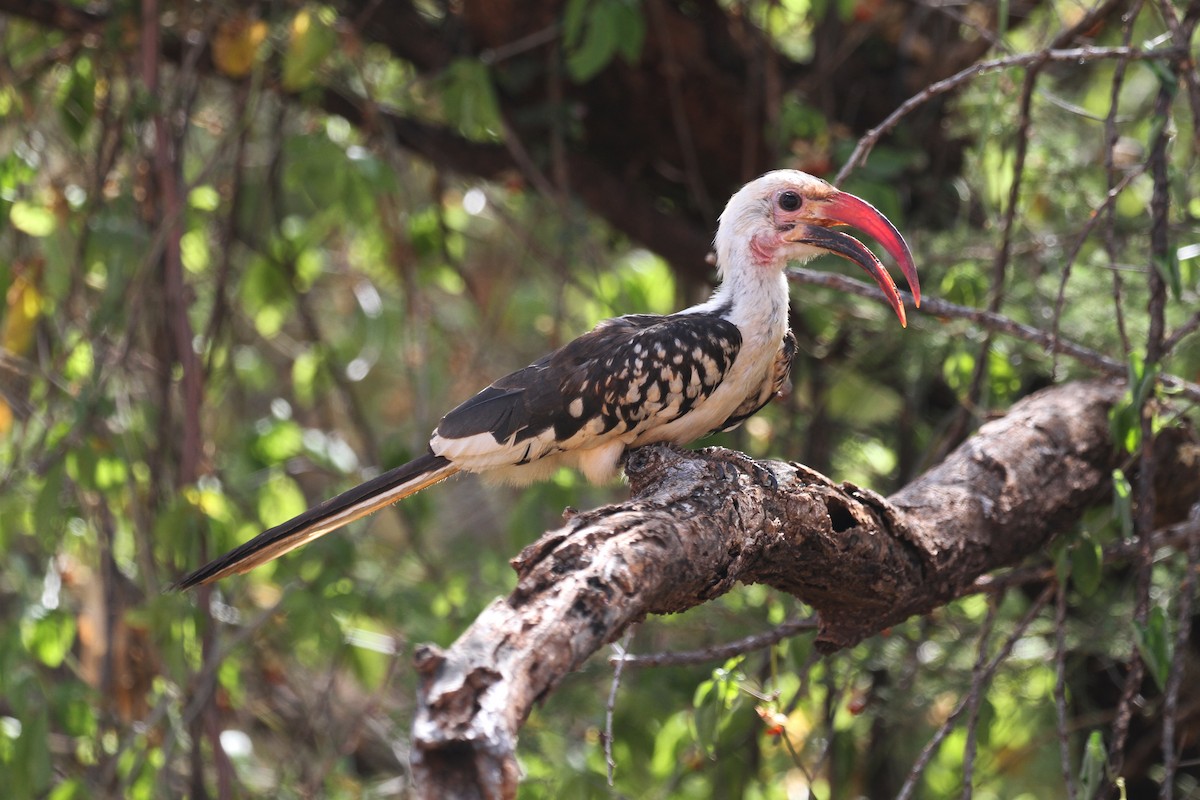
x,y
637,379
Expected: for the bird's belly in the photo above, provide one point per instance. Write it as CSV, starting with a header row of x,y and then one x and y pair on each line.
x,y
710,414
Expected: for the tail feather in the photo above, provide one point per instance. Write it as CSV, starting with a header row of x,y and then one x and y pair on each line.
x,y
391,486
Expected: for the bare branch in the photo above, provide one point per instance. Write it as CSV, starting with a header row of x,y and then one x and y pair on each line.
x,y
1077,55
932,306
695,527
722,652
983,678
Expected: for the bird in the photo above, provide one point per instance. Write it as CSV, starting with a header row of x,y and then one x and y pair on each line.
x,y
632,380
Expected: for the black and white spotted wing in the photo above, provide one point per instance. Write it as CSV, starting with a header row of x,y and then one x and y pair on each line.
x,y
626,374
781,373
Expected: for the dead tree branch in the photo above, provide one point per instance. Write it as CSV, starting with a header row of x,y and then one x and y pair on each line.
x,y
698,523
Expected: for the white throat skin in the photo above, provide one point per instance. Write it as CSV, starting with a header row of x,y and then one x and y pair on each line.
x,y
755,291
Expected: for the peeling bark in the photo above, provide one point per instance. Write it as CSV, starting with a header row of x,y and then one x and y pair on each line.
x,y
699,522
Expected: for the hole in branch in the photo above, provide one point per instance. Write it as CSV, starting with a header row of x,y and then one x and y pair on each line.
x,y
840,518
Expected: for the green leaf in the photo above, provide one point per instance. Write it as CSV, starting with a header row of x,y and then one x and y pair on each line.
x,y
1154,645
1123,502
77,99
469,99
193,251
204,198
1087,563
73,789
281,440
1167,265
1167,79
49,638
311,40
631,31
598,41
1091,771
279,499
267,296
1142,377
304,375
48,508
1062,561
32,754
705,715
111,472
574,18
1124,425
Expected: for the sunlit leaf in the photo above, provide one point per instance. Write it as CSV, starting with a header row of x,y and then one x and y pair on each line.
x,y
204,198
72,789
279,499
305,368
81,362
193,251
49,638
23,306
237,43
1123,502
1091,771
32,219
311,39
281,440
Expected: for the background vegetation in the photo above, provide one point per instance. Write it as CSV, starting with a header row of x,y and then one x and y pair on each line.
x,y
252,252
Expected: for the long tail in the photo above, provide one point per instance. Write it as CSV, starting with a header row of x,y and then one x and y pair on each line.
x,y
393,485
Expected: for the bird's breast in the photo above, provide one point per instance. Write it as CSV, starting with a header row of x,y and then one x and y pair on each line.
x,y
750,373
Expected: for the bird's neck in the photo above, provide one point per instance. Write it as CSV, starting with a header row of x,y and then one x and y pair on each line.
x,y
752,296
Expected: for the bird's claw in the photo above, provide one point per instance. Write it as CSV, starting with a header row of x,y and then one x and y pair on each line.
x,y
763,476
728,463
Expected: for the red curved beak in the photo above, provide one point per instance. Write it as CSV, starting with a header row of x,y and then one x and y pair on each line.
x,y
842,208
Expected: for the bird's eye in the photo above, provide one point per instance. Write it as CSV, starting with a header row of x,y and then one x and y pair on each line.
x,y
789,200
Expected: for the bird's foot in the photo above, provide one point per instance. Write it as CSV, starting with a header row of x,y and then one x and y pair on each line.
x,y
730,462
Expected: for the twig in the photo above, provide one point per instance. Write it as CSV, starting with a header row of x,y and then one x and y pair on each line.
x,y
1183,629
993,321
720,652
1121,550
618,668
1147,461
1097,215
976,392
978,689
1078,55
683,129
931,748
1111,137
1060,687
1182,32
1180,333
1160,205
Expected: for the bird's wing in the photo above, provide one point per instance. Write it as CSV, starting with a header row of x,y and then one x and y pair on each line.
x,y
626,374
382,490
778,381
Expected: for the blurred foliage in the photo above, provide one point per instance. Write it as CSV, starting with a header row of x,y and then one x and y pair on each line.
x,y
342,295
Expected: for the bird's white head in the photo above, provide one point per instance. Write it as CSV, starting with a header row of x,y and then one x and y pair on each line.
x,y
788,215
